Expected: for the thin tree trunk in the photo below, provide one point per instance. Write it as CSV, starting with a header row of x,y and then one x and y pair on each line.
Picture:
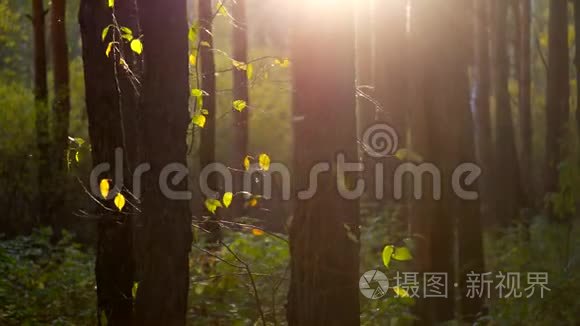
x,y
324,259
41,109
111,106
61,113
240,92
558,92
577,62
166,221
507,168
481,92
208,85
525,98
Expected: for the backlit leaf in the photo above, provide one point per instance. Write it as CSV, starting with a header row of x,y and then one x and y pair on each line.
x,y
402,254
199,120
111,3
401,293
227,199
264,162
257,232
119,201
109,48
137,46
239,105
283,62
247,163
212,204
387,253
105,32
104,188
250,71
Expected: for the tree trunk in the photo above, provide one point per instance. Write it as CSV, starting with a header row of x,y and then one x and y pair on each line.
x,y
111,109
481,94
324,259
240,92
558,92
508,184
525,97
366,109
163,107
41,109
577,61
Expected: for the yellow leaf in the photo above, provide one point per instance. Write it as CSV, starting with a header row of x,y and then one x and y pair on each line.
x,y
192,59
104,187
212,204
401,293
247,163
222,11
77,156
284,63
199,120
109,48
119,201
137,46
239,65
239,105
227,199
264,162
196,92
252,202
257,232
250,71
111,3
402,254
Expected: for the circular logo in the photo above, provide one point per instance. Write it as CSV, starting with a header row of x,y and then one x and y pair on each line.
x,y
373,284
380,140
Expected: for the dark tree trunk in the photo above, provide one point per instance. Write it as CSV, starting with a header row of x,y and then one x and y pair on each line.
x,y
508,186
366,110
111,106
41,109
481,94
163,108
577,60
558,92
240,92
324,260
525,97
441,131
208,85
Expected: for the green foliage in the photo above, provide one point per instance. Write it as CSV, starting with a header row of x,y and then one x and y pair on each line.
x,y
46,284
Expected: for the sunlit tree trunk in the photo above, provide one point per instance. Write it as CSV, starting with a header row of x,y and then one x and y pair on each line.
x,y
508,186
324,257
240,92
558,92
166,222
111,103
364,63
41,109
61,113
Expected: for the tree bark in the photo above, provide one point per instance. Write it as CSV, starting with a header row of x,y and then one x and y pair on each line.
x,y
525,97
324,259
61,114
577,61
508,184
41,110
111,103
163,107
558,92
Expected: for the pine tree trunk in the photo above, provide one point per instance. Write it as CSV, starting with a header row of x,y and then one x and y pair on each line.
x,y
111,103
324,259
41,109
163,108
558,92
61,114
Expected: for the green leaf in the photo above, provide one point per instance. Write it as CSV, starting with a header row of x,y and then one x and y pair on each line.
x,y
134,289
126,30
402,254
264,162
212,204
137,46
222,11
105,32
196,92
401,293
193,32
199,120
387,253
227,199
204,111
239,105
111,3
